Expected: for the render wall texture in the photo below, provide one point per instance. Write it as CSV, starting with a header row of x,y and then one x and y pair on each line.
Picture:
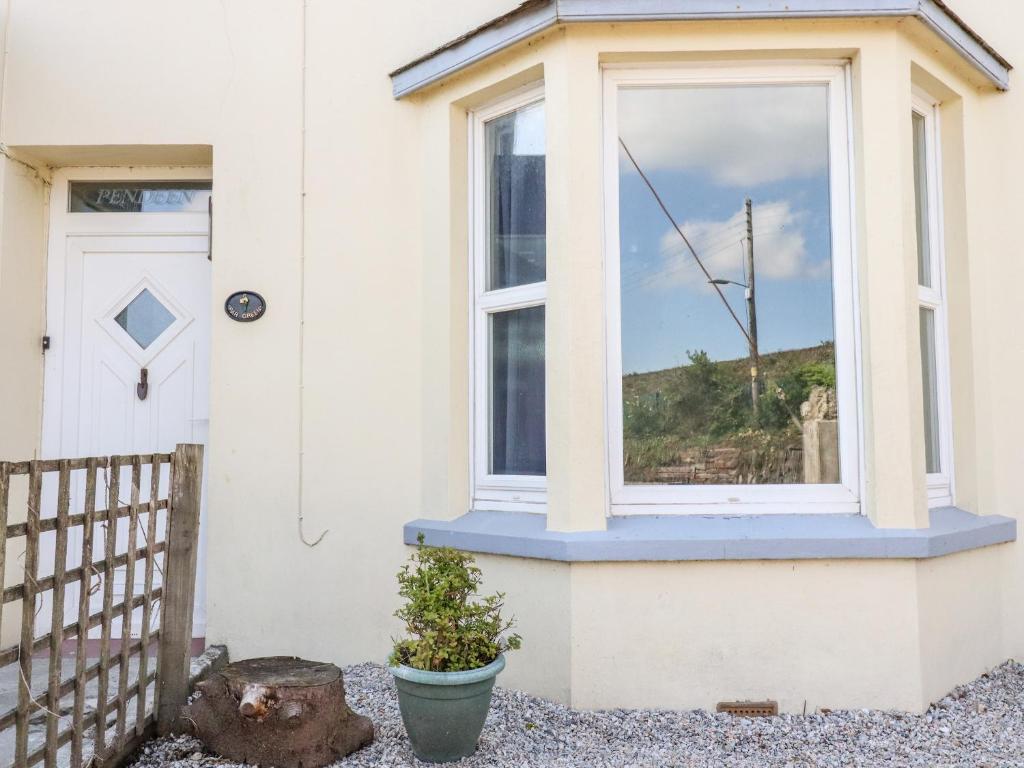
x,y
22,236
345,208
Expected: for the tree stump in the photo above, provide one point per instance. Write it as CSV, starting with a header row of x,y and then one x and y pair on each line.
x,y
278,711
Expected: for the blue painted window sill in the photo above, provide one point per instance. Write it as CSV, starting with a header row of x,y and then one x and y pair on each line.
x,y
689,537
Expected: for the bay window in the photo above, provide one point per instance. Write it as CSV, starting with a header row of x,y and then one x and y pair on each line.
x,y
735,319
731,304
732,379
508,206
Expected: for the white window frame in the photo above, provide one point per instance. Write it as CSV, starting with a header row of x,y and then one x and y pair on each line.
x,y
514,493
842,497
939,484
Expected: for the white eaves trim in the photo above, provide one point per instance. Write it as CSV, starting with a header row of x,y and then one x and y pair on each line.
x,y
536,16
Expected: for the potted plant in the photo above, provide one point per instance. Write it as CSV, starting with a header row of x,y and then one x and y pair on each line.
x,y
445,668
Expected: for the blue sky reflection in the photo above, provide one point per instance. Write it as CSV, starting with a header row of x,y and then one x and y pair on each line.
x,y
705,149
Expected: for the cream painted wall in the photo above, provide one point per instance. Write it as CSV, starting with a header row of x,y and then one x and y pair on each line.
x,y
539,594
230,75
22,214
994,197
348,401
22,238
23,206
959,607
689,635
227,75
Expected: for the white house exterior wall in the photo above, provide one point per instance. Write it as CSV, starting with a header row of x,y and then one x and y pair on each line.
x,y
348,401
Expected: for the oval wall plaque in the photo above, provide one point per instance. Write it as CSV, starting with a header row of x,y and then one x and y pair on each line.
x,y
245,306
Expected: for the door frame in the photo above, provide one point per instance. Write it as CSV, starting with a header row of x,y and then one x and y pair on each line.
x,y
64,224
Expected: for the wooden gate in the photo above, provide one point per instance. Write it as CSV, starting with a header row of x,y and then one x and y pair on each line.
x,y
134,682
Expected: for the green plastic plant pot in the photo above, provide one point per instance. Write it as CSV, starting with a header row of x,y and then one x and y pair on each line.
x,y
444,712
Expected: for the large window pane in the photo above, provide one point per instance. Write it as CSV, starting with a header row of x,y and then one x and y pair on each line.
x,y
514,160
931,392
924,266
728,357
517,392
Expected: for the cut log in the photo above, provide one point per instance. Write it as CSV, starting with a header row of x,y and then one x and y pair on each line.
x,y
278,711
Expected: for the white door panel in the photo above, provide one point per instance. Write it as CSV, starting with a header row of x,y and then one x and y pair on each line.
x,y
128,301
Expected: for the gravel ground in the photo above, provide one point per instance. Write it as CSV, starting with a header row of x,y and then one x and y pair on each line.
x,y
980,724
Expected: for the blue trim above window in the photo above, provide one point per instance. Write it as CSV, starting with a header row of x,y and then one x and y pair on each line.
x,y
535,16
721,537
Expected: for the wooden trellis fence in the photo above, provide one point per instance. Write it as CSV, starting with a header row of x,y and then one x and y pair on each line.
x,y
156,662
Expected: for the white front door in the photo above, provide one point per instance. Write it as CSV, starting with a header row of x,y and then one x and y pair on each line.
x,y
128,367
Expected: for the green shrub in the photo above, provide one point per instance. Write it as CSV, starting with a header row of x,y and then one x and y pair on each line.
x,y
780,402
705,404
448,631
817,375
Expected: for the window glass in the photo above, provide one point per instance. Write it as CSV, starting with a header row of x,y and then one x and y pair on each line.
x,y
924,267
144,318
931,393
517,392
144,197
516,202
727,328
934,372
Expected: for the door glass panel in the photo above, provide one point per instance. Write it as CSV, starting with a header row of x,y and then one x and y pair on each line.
x,y
517,392
144,318
141,197
516,242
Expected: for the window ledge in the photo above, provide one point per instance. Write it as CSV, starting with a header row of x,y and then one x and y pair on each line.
x,y
720,537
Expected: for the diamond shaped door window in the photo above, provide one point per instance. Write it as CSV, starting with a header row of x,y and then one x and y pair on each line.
x,y
144,318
